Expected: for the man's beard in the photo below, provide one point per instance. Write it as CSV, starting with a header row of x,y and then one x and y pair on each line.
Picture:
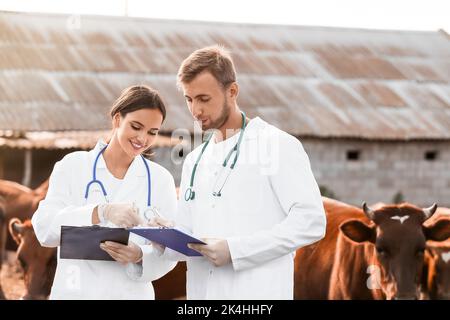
x,y
223,117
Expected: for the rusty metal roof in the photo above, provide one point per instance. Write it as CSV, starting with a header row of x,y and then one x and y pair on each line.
x,y
309,81
83,140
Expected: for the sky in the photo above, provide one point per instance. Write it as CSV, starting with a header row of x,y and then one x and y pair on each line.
x,y
371,14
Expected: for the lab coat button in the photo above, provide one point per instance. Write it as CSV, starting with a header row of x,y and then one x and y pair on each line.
x,y
213,206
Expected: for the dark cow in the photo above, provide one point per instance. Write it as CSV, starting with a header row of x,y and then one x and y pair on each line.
x,y
436,276
380,254
38,263
172,285
16,201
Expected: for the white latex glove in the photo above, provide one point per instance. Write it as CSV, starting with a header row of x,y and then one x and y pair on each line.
x,y
158,221
121,214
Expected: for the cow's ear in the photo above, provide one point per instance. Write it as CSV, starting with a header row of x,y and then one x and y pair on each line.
x,y
358,231
16,229
438,231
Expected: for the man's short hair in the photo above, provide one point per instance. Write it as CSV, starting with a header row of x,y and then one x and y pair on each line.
x,y
214,59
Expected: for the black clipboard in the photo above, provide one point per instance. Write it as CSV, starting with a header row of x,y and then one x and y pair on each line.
x,y
84,242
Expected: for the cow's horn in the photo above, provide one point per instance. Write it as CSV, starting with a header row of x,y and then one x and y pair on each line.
x,y
368,211
428,212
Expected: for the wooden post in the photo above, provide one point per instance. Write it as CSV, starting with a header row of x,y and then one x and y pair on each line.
x,y
2,165
28,167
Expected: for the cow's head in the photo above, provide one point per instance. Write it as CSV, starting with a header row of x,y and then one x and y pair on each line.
x,y
38,263
399,239
438,268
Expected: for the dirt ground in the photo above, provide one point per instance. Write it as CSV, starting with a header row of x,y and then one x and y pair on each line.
x,y
11,277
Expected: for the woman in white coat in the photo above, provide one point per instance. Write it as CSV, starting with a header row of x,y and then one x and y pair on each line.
x,y
129,189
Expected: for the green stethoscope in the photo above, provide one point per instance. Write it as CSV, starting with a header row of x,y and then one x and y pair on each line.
x,y
190,193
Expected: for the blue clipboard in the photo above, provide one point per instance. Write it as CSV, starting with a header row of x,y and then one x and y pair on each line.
x,y
171,238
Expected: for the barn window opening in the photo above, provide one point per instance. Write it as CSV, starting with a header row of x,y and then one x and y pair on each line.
x,y
353,155
431,155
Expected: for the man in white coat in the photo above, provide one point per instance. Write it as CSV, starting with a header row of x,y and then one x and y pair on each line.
x,y
253,216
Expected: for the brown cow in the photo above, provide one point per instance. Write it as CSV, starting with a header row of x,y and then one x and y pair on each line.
x,y
437,271
38,263
387,243
436,276
313,263
16,201
19,202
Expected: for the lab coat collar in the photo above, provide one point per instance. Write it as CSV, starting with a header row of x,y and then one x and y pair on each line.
x,y
136,168
255,123
253,128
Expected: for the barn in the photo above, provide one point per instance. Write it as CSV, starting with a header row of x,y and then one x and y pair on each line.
x,y
371,107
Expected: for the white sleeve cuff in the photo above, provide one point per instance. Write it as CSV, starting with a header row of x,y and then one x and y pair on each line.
x,y
236,261
153,266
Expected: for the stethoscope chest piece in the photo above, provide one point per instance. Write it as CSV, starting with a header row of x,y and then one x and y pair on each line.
x,y
189,194
151,212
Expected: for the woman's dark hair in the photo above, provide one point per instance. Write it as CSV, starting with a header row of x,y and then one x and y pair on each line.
x,y
138,97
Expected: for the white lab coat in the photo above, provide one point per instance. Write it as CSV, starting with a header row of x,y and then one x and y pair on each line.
x,y
65,205
270,206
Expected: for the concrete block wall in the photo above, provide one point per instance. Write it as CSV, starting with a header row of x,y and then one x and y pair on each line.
x,y
382,170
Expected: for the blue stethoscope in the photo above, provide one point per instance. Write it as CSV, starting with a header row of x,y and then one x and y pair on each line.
x,y
190,193
148,212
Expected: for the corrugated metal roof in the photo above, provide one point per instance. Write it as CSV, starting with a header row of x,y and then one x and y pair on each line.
x,y
309,81
65,139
